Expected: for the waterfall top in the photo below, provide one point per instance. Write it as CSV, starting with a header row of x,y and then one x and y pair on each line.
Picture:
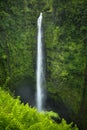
x,y
41,14
39,19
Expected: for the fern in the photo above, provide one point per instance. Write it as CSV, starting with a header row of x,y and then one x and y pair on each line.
x,y
17,116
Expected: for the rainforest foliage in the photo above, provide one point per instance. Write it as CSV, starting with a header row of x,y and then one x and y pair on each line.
x,y
65,39
17,116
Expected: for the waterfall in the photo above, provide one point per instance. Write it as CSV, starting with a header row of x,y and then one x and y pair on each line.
x,y
40,76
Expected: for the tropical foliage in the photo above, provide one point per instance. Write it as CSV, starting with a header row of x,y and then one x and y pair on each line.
x,y
17,116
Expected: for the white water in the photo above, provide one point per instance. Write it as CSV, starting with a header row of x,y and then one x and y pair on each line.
x,y
40,69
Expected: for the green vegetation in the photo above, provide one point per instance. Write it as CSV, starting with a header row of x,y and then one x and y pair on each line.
x,y
65,38
17,116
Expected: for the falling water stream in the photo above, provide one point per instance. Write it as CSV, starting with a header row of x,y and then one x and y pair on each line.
x,y
40,66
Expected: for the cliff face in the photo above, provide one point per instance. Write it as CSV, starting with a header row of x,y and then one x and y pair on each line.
x,y
65,35
64,30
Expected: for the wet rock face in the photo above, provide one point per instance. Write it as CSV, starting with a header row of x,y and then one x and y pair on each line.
x,y
26,91
59,107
